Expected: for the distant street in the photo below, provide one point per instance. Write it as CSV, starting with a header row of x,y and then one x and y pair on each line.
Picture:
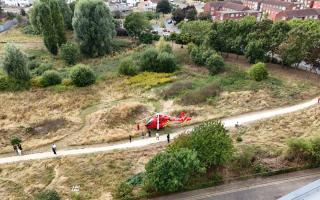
x,y
267,188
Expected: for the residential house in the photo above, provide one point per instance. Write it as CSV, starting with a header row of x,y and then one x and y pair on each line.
x,y
252,4
273,7
148,5
308,13
18,3
224,15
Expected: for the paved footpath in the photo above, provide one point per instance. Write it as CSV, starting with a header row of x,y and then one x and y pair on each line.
x,y
228,122
261,188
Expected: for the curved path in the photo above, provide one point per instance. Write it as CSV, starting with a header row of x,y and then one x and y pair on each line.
x,y
228,122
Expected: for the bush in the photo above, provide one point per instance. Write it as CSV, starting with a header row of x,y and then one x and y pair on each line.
x,y
136,179
82,75
11,84
146,38
258,72
70,53
123,192
200,95
166,63
32,64
177,88
15,63
148,60
169,171
42,68
127,67
215,64
211,142
47,195
315,143
121,32
50,77
164,46
299,149
199,55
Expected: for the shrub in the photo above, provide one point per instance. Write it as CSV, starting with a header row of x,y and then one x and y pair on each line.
x,y
190,46
124,191
146,38
245,158
199,55
66,82
148,60
15,63
164,46
169,171
176,88
166,63
299,149
215,64
258,72
15,140
11,84
70,53
42,68
127,67
50,77
32,64
36,81
149,79
211,142
136,179
200,95
82,75
315,143
47,195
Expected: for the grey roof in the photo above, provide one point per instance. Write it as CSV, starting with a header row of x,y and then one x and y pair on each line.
x,y
301,13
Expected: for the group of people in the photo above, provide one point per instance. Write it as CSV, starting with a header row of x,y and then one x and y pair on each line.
x,y
18,149
149,134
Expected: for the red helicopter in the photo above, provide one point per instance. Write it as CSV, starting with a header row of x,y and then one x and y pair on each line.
x,y
159,121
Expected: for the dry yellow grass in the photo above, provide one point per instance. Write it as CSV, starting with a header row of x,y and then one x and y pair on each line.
x,y
273,134
97,174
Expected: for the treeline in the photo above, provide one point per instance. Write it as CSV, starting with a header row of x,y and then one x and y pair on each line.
x,y
293,41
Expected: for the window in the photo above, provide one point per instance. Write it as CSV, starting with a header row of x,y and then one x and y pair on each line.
x,y
232,15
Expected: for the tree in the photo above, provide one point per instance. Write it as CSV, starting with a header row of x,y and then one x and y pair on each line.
x,y
93,27
46,18
198,29
215,64
47,195
211,142
258,71
255,51
15,63
278,33
67,14
166,62
190,12
204,16
135,23
169,171
82,75
148,60
163,6
178,15
70,53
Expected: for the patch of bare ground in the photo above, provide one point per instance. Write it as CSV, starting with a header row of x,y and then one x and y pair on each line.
x,y
96,174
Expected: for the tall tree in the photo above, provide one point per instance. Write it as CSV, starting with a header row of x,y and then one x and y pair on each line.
x,y
163,6
198,29
93,27
135,23
67,14
15,63
278,33
178,15
190,12
47,18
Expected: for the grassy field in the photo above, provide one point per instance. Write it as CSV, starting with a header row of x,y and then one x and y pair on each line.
x,y
109,110
97,175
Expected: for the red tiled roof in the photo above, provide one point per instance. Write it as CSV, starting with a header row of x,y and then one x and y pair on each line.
x,y
300,13
278,3
235,6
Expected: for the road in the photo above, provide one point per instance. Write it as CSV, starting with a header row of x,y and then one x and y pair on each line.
x,y
261,188
228,122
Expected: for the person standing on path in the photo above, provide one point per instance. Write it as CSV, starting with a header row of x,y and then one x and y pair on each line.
x,y
157,136
149,132
168,137
130,138
20,148
15,148
19,151
54,148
